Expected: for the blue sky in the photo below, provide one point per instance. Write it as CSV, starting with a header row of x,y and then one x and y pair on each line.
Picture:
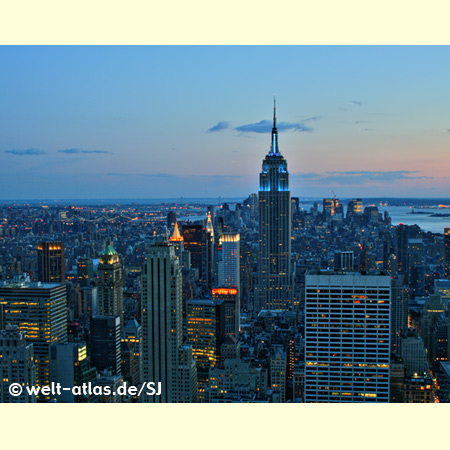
x,y
153,122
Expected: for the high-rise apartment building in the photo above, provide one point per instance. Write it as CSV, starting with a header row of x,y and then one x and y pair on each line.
x,y
110,284
39,310
51,262
274,287
16,365
347,338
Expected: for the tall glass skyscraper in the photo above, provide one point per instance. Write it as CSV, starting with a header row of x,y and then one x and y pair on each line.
x,y
274,289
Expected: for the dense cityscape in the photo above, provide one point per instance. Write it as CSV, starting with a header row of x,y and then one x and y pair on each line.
x,y
266,299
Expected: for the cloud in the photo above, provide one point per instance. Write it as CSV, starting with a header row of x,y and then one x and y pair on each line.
x,y
158,175
308,119
265,126
77,151
360,177
27,152
355,103
168,175
219,127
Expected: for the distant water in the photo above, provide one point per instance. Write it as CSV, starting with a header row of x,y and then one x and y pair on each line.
x,y
399,214
402,214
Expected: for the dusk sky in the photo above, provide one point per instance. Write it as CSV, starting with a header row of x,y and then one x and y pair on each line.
x,y
165,122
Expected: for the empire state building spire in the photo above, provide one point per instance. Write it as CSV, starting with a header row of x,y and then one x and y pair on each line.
x,y
274,146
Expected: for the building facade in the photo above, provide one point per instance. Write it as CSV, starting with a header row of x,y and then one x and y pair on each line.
x,y
347,338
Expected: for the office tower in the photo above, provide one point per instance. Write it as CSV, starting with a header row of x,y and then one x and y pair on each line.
x,y
162,328
187,388
251,202
328,207
447,252
110,283
274,290
177,240
69,366
295,205
230,263
206,333
278,368
132,343
397,380
433,309
442,288
230,298
414,354
16,365
51,262
198,241
344,261
402,251
347,335
39,310
354,208
416,267
399,313
85,271
171,219
105,343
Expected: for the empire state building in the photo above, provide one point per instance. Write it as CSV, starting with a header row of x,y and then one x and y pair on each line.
x,y
274,289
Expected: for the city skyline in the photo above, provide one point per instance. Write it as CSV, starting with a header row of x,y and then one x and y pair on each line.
x,y
165,122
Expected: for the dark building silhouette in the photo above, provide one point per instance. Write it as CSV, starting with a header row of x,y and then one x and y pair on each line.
x,y
105,343
51,262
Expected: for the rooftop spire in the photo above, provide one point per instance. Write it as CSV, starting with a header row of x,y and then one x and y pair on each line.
x,y
274,113
274,146
176,235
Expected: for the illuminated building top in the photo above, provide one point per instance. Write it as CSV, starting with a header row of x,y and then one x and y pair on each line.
x,y
176,235
109,256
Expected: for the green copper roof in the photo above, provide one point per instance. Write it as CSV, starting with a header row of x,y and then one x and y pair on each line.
x,y
109,251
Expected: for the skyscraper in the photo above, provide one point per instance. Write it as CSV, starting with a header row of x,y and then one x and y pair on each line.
x,y
447,252
110,294
399,313
199,241
230,264
16,365
162,328
274,290
347,333
40,310
206,333
85,271
51,262
105,344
